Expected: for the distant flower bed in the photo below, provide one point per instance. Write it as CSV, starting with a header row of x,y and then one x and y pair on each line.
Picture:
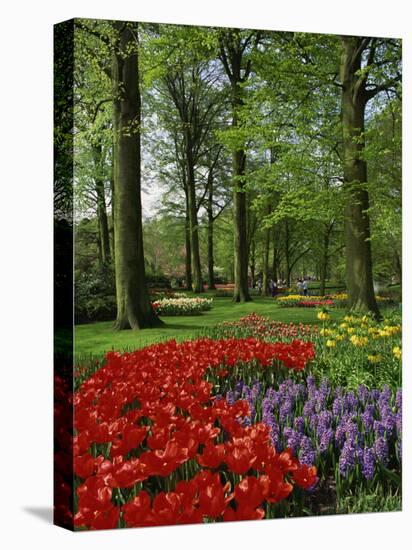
x,y
161,293
182,306
296,300
342,297
263,328
315,303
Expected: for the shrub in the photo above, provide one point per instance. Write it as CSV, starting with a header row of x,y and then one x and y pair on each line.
x,y
95,295
158,281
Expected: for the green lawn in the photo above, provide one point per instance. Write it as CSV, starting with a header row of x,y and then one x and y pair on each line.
x,y
97,338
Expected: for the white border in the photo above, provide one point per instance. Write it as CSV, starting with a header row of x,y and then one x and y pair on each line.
x,y
26,268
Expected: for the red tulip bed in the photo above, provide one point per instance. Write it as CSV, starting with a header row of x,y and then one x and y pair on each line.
x,y
155,444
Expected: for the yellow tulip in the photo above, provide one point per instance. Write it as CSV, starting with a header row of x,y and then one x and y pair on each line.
x,y
323,316
330,343
397,352
359,340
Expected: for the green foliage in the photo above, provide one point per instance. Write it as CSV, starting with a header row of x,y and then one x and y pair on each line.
x,y
95,295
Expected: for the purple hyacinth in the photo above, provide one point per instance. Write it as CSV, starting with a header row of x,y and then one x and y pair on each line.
x,y
293,439
340,434
375,394
368,417
363,393
286,408
299,424
347,459
350,402
338,406
238,388
230,397
311,382
389,421
368,463
379,428
307,453
325,418
352,433
256,388
381,450
384,396
309,408
325,439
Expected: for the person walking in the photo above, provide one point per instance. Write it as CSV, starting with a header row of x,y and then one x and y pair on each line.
x,y
305,286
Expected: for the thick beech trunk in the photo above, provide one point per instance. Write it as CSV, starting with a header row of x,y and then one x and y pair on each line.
x,y
134,309
231,55
241,292
359,275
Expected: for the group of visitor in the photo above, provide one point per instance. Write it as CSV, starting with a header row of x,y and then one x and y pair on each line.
x,y
302,286
273,286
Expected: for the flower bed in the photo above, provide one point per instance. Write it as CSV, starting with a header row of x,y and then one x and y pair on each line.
x,y
296,300
162,293
353,436
315,303
263,328
153,446
182,306
360,350
341,299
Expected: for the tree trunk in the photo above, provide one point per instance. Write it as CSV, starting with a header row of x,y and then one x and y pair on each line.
x,y
265,280
359,275
210,221
194,227
324,260
112,204
134,309
252,262
231,54
275,261
104,236
188,259
287,255
241,292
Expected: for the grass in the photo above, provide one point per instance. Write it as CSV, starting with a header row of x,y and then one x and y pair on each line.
x,y
97,338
